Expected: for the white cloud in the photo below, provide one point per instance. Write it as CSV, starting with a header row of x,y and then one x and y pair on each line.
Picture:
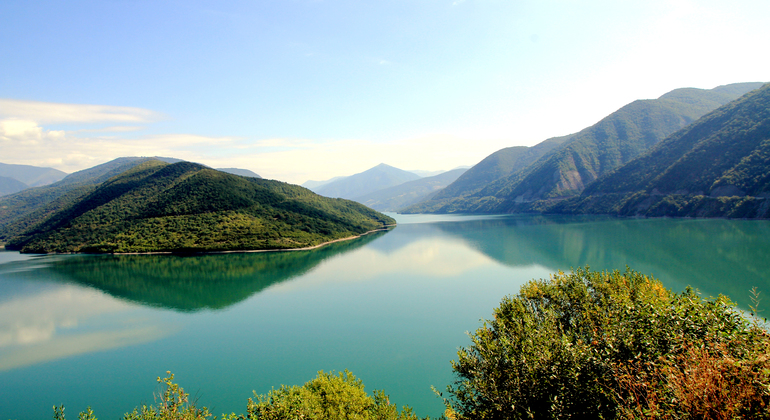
x,y
52,113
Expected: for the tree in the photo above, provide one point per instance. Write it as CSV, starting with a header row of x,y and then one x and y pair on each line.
x,y
585,344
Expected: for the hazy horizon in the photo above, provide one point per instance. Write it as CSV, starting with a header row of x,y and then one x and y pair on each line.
x,y
310,90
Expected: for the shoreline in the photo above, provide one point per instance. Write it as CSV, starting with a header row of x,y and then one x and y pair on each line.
x,y
307,248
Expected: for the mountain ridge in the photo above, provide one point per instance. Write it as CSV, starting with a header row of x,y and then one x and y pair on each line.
x,y
161,207
567,169
373,179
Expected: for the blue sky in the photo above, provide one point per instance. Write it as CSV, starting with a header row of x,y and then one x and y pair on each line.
x,y
299,90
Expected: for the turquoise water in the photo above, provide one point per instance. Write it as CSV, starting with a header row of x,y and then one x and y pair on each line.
x,y
392,307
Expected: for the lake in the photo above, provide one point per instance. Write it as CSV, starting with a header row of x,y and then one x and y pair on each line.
x,y
392,307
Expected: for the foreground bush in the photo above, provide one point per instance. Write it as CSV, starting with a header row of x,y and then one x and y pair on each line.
x,y
612,345
327,397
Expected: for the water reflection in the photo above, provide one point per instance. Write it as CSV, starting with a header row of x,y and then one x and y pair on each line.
x,y
392,307
58,321
46,314
192,283
715,256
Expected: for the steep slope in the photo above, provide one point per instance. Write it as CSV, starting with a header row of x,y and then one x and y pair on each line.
x,y
377,178
402,195
718,166
493,167
566,170
20,209
32,176
188,207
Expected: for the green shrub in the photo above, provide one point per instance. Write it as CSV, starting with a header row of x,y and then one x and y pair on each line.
x,y
327,397
609,345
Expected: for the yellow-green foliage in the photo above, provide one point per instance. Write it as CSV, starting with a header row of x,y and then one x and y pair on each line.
x,y
607,345
328,396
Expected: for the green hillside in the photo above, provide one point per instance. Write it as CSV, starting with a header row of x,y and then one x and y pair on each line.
x,y
157,207
565,171
495,166
717,167
19,211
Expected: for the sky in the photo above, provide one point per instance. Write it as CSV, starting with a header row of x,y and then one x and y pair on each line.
x,y
301,90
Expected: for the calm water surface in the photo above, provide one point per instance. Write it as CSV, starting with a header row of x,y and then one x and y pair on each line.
x,y
393,307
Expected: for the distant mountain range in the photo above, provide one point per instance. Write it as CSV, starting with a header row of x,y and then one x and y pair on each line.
x,y
10,185
239,172
523,179
15,178
377,178
156,206
408,193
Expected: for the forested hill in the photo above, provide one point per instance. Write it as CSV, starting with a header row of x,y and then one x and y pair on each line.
x,y
18,210
184,206
716,167
566,170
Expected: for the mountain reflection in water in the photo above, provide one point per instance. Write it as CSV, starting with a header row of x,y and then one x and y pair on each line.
x,y
195,282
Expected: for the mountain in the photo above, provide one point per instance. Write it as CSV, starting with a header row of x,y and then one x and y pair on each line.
x,y
408,193
377,178
161,207
582,157
312,185
239,172
9,185
32,176
717,167
495,166
20,209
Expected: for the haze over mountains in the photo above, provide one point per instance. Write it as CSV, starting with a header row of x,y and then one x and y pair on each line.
x,y
562,167
374,179
384,187
691,152
15,178
718,166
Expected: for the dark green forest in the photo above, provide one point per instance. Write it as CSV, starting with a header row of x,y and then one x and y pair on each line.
x,y
186,207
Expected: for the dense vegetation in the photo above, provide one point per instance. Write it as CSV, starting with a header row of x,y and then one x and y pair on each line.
x,y
157,207
586,344
717,167
613,345
327,397
19,211
495,166
565,171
